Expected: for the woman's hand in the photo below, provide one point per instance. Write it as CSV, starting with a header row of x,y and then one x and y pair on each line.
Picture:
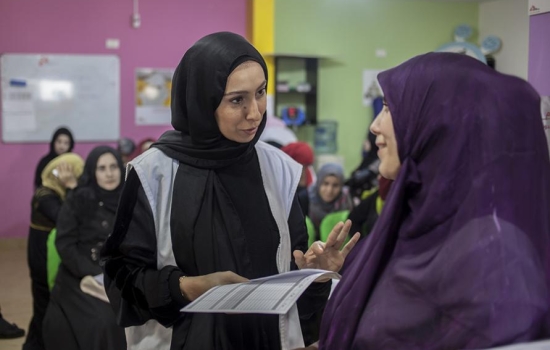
x,y
66,176
194,287
328,256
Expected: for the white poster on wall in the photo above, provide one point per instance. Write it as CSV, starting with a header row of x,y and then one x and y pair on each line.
x,y
18,110
545,111
371,88
537,7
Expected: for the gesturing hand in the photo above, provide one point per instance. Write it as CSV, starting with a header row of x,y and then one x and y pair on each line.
x,y
328,256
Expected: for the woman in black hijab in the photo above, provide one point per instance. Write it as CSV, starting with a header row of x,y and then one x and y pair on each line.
x,y
75,320
62,142
208,197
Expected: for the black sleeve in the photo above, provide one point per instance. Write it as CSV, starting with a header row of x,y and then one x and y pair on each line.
x,y
73,255
50,205
316,296
303,199
137,289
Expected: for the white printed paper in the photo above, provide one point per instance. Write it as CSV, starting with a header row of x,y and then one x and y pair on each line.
x,y
18,110
269,295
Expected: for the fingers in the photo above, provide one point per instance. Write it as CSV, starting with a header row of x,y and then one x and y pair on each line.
x,y
333,236
317,248
343,234
338,234
299,258
352,242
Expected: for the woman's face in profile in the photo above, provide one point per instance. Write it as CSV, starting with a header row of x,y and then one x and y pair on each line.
x,y
388,153
243,104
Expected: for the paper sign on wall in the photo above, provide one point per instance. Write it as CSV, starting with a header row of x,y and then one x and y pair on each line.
x,y
371,87
153,89
537,7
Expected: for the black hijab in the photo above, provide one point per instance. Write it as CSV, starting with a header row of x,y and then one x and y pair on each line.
x,y
88,188
198,86
51,154
58,132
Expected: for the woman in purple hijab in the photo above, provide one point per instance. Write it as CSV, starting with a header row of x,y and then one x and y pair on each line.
x,y
459,258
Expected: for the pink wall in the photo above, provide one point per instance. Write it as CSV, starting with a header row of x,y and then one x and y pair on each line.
x,y
168,28
539,53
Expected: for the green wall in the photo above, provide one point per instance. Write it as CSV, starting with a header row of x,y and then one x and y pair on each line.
x,y
349,32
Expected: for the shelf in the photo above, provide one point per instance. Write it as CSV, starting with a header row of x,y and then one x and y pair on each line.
x,y
309,69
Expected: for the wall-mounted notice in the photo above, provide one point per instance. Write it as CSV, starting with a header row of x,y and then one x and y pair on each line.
x,y
537,7
153,89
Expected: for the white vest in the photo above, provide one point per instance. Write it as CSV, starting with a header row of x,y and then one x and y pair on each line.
x,y
156,171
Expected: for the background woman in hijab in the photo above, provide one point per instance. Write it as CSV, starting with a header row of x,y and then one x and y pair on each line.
x,y
216,177
75,320
126,148
59,176
328,194
62,141
459,258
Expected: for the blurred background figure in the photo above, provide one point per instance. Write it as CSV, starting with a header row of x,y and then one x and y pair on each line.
x,y
365,176
143,146
364,216
303,154
126,148
328,195
58,177
276,133
62,142
76,320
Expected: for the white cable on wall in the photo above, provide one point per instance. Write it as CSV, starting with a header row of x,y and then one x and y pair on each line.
x,y
136,18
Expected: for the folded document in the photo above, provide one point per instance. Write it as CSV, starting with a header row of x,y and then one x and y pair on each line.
x,y
269,295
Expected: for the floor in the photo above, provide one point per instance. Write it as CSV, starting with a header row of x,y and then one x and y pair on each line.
x,y
15,288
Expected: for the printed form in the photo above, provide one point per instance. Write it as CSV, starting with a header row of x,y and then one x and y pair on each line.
x,y
269,295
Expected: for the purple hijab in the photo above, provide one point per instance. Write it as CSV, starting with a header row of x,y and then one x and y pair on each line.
x,y
460,255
